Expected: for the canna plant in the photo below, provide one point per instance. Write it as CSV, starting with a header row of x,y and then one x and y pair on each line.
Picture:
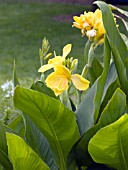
x,y
70,121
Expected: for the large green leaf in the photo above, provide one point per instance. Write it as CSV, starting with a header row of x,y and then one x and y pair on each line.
x,y
4,160
120,10
41,87
38,142
18,126
33,136
94,67
111,77
22,156
113,111
118,46
88,110
110,144
111,85
112,31
121,70
110,91
121,17
54,120
94,71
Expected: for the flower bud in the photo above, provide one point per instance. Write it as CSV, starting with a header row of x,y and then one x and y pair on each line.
x,y
85,70
74,65
45,48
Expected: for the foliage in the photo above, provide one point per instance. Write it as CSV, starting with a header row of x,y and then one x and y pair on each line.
x,y
71,121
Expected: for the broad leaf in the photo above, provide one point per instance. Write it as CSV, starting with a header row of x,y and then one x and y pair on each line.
x,y
120,10
33,135
111,77
114,35
118,46
41,87
53,119
4,160
88,110
18,126
112,83
38,142
121,70
113,111
110,144
94,71
110,91
22,156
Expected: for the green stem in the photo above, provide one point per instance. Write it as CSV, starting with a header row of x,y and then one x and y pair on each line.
x,y
86,50
78,98
65,99
42,77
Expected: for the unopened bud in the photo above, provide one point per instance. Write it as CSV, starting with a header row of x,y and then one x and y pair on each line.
x,y
74,65
45,48
85,71
47,56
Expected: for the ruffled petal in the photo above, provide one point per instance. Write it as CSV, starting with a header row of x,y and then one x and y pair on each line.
x,y
97,15
79,82
63,85
57,92
53,80
57,83
63,71
56,61
45,67
66,50
76,18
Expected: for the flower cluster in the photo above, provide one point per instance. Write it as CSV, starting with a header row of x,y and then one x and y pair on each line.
x,y
91,25
59,80
8,87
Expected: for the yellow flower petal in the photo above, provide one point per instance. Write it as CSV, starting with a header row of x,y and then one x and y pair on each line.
x,y
76,18
63,85
45,67
63,71
53,80
56,61
97,15
77,25
57,92
79,82
57,83
66,50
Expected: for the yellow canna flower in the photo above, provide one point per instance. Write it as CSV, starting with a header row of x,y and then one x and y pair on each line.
x,y
57,60
59,80
91,25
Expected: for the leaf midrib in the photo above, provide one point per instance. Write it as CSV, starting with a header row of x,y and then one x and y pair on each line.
x,y
58,146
